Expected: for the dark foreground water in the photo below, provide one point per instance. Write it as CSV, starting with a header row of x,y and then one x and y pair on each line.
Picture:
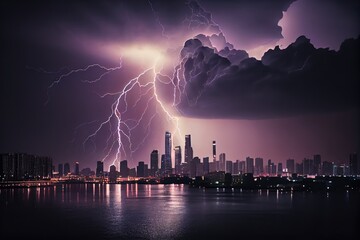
x,y
94,211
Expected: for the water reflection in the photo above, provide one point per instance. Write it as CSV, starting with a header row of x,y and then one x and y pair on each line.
x,y
173,211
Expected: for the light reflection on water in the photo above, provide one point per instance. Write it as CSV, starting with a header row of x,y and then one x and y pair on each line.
x,y
115,211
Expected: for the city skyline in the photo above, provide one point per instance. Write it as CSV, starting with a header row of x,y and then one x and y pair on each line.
x,y
96,86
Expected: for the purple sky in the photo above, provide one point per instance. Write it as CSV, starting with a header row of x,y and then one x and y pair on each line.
x,y
291,102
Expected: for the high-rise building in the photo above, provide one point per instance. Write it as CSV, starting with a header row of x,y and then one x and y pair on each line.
x,y
317,164
308,166
290,165
206,164
112,174
214,150
177,160
124,169
249,165
154,162
61,170
299,168
66,169
188,149
228,166
354,164
242,167
162,164
259,166
222,160
77,170
140,170
235,169
168,147
269,167
99,169
22,166
195,169
280,169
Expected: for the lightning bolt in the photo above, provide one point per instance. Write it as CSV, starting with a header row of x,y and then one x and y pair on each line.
x,y
118,126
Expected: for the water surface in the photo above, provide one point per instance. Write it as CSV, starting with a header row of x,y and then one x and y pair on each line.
x,y
136,211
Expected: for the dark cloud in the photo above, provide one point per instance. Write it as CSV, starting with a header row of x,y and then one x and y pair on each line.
x,y
248,24
297,80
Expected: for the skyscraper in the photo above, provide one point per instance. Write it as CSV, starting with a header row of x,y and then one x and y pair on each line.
x,y
195,167
228,166
77,171
214,151
188,149
61,170
308,166
290,165
206,169
222,159
249,165
66,169
280,169
162,164
168,147
99,169
112,174
259,166
177,160
354,164
140,170
317,164
154,162
124,170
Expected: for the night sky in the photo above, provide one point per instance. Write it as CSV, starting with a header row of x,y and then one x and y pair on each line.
x,y
271,79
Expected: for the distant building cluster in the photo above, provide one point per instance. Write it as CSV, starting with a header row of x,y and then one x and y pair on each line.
x,y
193,166
22,166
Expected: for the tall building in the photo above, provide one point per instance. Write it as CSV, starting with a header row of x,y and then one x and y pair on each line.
x,y
168,147
242,167
299,168
195,169
249,165
354,164
228,166
188,149
77,170
206,165
317,164
22,166
290,165
222,160
259,166
308,166
280,169
66,169
235,169
214,150
269,167
177,160
99,169
112,174
154,162
61,170
146,170
327,168
140,170
163,168
124,169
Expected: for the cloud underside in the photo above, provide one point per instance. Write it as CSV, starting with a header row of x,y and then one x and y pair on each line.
x,y
293,81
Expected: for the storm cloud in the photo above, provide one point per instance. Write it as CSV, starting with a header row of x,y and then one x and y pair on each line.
x,y
300,79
